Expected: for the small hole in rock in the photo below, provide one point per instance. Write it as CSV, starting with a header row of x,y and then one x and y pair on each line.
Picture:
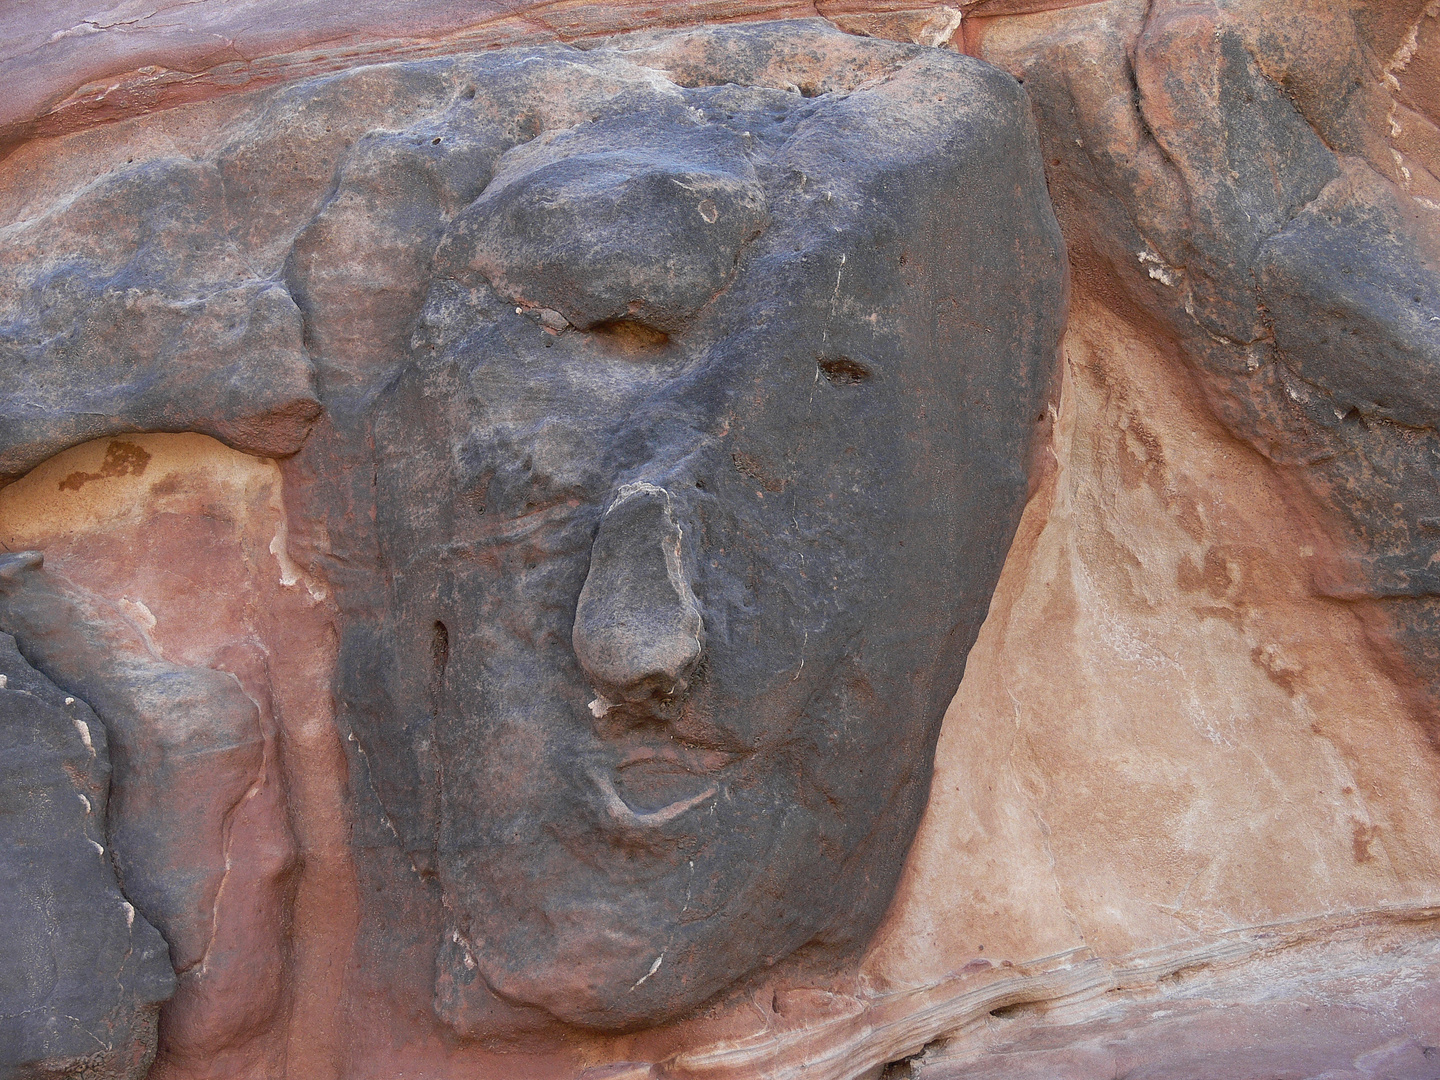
x,y
1010,1012
902,1069
630,335
843,371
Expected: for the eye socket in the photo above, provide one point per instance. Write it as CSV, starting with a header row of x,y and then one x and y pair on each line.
x,y
842,370
630,335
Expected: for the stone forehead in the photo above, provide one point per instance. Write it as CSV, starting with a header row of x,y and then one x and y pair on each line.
x,y
213,275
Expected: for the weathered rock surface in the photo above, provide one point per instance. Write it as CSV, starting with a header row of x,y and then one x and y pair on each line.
x,y
1185,815
1316,1008
82,975
622,311
789,403
186,742
70,67
163,595
125,311
1286,245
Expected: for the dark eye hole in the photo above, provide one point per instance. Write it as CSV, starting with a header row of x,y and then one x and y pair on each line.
x,y
842,370
630,335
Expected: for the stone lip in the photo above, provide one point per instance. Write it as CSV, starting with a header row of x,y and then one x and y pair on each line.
x,y
70,66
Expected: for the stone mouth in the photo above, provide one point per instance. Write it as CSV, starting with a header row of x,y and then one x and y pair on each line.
x,y
652,785
653,782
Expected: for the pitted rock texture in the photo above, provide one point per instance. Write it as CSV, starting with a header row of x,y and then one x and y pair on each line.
x,y
780,398
70,67
130,313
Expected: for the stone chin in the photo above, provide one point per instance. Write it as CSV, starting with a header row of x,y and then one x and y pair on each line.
x,y
607,964
655,921
645,872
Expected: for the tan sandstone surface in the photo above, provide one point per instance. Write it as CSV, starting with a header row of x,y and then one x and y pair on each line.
x,y
1185,815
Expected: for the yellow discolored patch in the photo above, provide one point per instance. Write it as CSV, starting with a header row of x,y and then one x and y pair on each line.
x,y
101,484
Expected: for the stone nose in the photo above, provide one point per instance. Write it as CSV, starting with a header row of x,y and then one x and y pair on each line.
x,y
638,628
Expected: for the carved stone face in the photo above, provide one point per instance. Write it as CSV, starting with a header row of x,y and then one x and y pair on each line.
x,y
673,408
714,436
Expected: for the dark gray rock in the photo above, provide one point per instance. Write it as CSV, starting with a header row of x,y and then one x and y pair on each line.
x,y
82,974
690,190
692,498
130,311
1354,312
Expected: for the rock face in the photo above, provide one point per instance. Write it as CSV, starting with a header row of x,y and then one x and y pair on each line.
x,y
691,387
621,444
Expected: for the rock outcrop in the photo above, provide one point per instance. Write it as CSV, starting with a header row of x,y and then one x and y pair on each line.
x,y
601,456
82,974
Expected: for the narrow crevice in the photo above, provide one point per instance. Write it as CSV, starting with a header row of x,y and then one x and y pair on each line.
x,y
439,661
